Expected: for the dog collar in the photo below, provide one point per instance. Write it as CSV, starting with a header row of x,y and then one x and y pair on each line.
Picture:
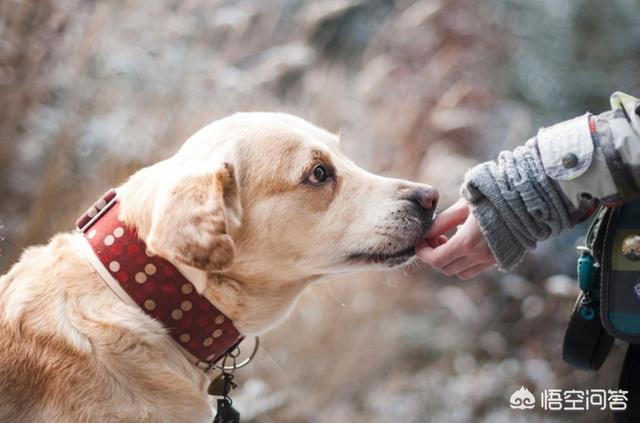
x,y
154,284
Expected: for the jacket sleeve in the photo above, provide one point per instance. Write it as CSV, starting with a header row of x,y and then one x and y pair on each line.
x,y
553,181
596,156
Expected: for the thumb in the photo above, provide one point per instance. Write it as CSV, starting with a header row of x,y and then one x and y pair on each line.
x,y
449,218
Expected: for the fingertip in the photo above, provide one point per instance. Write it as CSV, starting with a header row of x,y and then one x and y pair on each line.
x,y
449,218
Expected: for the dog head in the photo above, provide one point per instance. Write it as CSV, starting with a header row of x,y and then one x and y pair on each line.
x,y
269,197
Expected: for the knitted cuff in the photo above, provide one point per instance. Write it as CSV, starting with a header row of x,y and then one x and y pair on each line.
x,y
506,249
516,203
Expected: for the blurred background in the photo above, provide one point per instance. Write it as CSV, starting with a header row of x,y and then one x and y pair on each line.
x,y
92,91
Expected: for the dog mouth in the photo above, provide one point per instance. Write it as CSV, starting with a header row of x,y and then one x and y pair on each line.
x,y
396,248
390,259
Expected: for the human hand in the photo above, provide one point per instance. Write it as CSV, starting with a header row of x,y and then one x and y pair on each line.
x,y
466,253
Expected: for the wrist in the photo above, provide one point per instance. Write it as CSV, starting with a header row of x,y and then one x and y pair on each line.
x,y
507,251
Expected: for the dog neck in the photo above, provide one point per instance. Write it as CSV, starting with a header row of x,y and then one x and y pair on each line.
x,y
139,277
255,305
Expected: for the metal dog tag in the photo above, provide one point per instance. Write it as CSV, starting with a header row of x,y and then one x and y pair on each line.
x,y
221,385
217,386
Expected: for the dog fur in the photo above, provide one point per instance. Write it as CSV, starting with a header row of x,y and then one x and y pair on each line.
x,y
238,211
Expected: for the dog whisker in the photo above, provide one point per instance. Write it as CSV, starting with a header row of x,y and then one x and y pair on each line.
x,y
333,294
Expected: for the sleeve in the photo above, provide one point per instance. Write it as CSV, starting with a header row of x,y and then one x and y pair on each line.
x,y
516,203
596,156
553,181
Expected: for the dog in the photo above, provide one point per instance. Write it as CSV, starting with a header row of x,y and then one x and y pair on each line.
x,y
252,209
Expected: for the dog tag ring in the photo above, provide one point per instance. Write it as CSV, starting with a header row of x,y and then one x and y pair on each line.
x,y
223,384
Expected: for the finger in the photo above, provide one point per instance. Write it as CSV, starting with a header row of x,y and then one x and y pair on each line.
x,y
461,265
474,271
435,241
440,256
424,251
449,218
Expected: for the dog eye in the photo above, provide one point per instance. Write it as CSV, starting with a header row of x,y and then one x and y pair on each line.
x,y
319,175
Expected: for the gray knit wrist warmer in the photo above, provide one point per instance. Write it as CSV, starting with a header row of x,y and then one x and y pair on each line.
x,y
515,203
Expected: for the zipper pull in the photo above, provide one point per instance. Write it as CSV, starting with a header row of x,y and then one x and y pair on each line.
x,y
586,269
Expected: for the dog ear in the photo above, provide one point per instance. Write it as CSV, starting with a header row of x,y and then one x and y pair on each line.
x,y
191,220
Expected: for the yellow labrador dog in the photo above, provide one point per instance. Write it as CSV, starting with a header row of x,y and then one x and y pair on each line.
x,y
251,210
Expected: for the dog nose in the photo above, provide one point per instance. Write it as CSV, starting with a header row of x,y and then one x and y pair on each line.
x,y
425,196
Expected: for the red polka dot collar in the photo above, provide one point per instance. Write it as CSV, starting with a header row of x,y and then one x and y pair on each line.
x,y
154,284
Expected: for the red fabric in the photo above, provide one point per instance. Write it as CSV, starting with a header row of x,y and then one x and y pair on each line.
x,y
158,288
